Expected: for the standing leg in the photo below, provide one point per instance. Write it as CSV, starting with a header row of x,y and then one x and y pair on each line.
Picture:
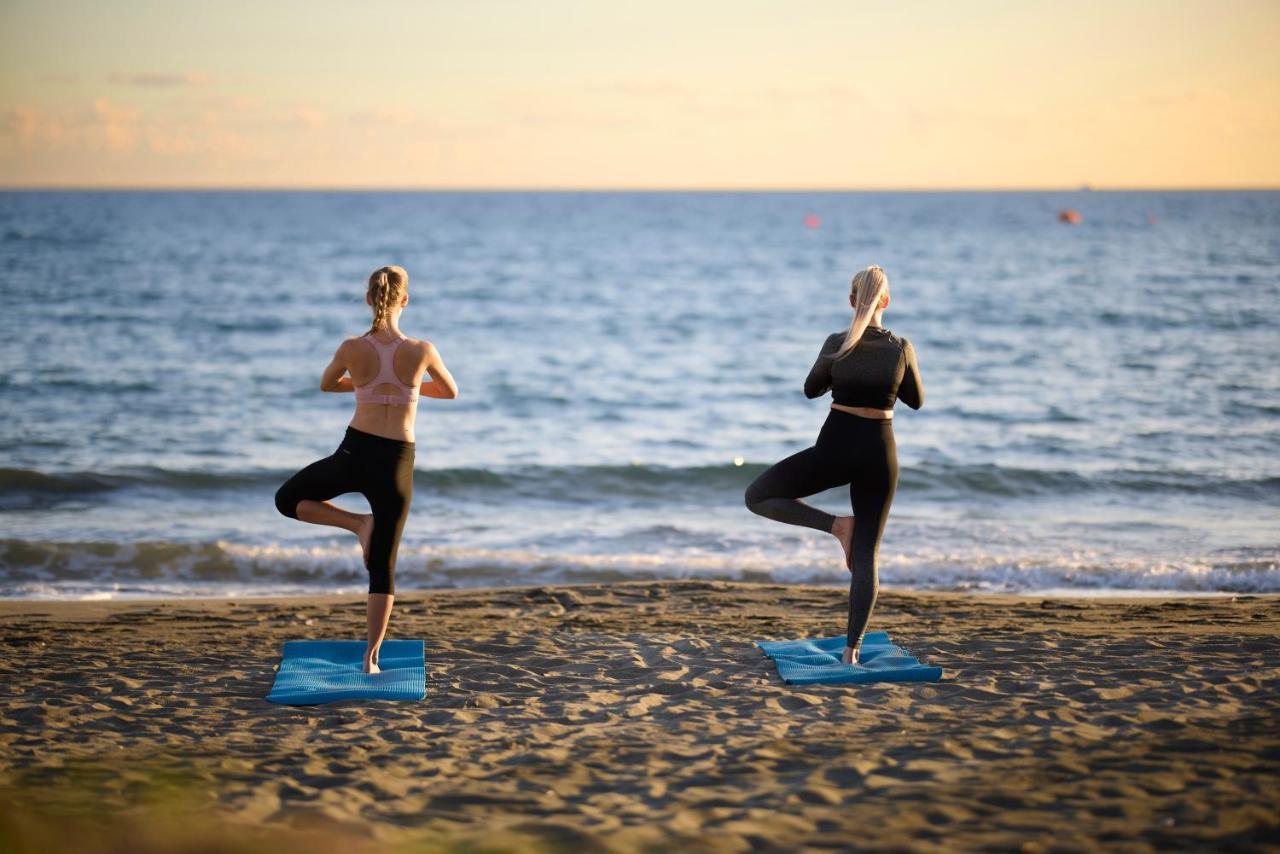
x,y
389,499
377,615
871,492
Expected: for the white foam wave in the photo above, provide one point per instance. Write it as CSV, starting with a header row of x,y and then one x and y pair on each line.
x,y
229,569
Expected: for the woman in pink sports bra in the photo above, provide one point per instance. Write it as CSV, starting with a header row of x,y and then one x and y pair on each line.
x,y
386,372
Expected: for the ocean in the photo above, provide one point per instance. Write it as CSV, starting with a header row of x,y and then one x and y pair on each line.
x,y
1102,414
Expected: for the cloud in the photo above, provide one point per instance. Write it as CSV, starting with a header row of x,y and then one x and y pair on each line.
x,y
158,79
550,117
233,104
385,116
118,126
24,124
1193,95
646,89
723,103
309,117
105,128
1239,113
843,93
807,94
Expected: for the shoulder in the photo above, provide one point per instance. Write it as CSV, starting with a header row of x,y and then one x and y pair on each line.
x,y
420,346
900,340
835,339
349,344
904,344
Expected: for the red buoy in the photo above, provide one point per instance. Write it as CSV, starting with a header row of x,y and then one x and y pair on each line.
x,y
812,221
1070,216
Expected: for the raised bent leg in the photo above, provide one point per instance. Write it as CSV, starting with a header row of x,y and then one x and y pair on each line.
x,y
305,496
776,492
327,513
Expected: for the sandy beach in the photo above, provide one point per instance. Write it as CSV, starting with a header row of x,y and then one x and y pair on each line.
x,y
640,716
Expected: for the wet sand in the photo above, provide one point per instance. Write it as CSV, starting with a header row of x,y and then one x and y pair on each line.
x,y
640,716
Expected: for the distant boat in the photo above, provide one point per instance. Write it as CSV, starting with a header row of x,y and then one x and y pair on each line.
x,y
1070,216
1086,188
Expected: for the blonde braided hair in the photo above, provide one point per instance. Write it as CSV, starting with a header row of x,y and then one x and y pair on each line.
x,y
867,287
387,287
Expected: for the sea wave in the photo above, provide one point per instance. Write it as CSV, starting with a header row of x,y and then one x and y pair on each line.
x,y
98,569
27,488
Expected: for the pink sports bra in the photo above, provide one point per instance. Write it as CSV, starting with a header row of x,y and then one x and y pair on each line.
x,y
386,374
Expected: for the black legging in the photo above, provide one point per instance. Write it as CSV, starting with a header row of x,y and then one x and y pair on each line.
x,y
381,470
853,450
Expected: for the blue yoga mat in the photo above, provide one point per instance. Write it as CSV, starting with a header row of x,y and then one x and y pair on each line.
x,y
325,671
817,662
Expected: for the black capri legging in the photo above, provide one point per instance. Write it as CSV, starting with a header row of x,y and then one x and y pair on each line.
x,y
850,450
379,469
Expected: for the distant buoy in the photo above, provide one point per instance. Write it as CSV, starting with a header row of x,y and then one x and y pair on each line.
x,y
812,221
1070,216
1151,219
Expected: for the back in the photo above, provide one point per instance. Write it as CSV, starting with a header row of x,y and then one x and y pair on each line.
x,y
386,377
386,387
879,370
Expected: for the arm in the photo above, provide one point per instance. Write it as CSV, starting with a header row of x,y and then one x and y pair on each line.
x,y
332,379
442,385
819,379
911,389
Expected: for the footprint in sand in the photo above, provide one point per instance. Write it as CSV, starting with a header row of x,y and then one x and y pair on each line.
x,y
792,702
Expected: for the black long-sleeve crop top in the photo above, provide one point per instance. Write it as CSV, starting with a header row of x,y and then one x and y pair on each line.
x,y
880,369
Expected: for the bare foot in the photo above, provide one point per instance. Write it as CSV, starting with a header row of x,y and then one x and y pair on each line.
x,y
365,533
842,530
850,654
371,663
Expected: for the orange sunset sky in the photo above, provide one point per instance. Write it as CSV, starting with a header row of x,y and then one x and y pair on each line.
x,y
554,94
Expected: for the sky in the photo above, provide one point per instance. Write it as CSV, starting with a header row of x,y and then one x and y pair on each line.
x,y
908,94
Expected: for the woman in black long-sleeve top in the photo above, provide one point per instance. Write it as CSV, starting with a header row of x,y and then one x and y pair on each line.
x,y
866,368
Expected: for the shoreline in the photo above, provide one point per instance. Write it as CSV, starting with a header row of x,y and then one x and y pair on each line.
x,y
638,715
1098,595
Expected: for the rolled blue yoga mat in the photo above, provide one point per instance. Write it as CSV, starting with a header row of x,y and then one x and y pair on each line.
x,y
317,671
817,662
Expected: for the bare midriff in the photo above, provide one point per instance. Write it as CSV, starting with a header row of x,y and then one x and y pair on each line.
x,y
865,411
388,420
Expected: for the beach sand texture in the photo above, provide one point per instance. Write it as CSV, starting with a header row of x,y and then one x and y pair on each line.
x,y
640,715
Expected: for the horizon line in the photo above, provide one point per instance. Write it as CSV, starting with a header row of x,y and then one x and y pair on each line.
x,y
323,188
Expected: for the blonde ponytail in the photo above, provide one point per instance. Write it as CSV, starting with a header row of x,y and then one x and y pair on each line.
x,y
387,287
868,287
